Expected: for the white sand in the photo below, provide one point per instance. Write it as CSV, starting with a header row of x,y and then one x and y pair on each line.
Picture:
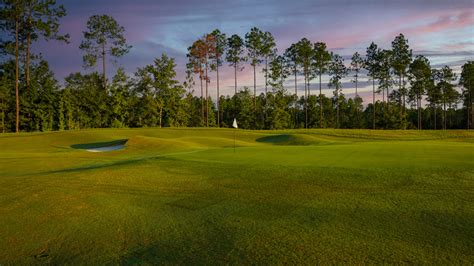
x,y
108,148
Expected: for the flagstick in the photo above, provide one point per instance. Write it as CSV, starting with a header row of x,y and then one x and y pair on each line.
x,y
234,140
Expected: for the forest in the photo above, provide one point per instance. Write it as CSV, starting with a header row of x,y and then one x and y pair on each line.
x,y
415,95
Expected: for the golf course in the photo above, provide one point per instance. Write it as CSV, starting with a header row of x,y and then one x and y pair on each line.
x,y
187,196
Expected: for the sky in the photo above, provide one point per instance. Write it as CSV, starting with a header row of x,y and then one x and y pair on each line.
x,y
442,30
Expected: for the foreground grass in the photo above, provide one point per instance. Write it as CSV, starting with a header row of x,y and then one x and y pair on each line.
x,y
184,196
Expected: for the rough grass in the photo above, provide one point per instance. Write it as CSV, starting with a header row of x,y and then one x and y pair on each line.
x,y
183,196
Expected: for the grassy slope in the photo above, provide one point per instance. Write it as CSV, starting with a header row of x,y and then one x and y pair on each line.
x,y
183,195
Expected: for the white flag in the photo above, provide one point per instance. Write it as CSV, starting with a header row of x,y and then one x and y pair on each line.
x,y
234,125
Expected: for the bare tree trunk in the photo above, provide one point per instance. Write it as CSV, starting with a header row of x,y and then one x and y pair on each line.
x,y
444,115
357,107
266,74
17,77
3,116
470,115
27,70
235,77
373,102
207,98
356,83
419,114
254,88
383,96
320,102
296,97
202,96
337,109
305,101
218,95
161,114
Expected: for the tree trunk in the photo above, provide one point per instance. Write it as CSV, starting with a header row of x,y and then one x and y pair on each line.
x,y
444,115
373,102
161,114
337,110
320,103
470,115
435,127
266,74
27,70
305,101
103,67
356,83
217,101
17,77
202,96
255,89
357,107
207,98
296,97
419,113
235,77
3,116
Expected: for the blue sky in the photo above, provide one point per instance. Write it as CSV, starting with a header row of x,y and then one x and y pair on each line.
x,y
442,30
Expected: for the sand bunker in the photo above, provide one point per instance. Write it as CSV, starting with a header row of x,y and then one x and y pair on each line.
x,y
113,145
108,148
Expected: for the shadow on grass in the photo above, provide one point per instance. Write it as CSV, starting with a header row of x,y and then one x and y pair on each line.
x,y
275,139
95,145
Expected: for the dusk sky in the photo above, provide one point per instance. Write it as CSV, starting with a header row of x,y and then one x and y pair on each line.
x,y
441,30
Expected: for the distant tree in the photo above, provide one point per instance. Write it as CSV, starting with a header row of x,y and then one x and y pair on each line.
x,y
357,64
104,36
43,99
306,57
89,108
209,49
254,43
278,72
420,77
220,47
196,57
166,90
41,19
322,60
235,55
120,95
244,108
337,71
385,82
278,114
434,96
401,55
268,50
467,81
372,65
12,14
292,61
444,78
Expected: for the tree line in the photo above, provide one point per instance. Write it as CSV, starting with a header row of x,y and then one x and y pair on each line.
x,y
414,94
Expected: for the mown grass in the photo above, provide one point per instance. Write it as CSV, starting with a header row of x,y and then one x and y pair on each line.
x,y
184,196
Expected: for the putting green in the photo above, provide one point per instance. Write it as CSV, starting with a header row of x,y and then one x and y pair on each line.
x,y
184,196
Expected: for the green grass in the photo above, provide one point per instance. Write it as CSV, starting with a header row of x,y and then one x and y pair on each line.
x,y
183,196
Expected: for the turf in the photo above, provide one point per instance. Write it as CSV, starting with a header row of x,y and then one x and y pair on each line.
x,y
183,196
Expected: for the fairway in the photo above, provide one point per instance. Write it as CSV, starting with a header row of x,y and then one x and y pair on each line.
x,y
283,197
